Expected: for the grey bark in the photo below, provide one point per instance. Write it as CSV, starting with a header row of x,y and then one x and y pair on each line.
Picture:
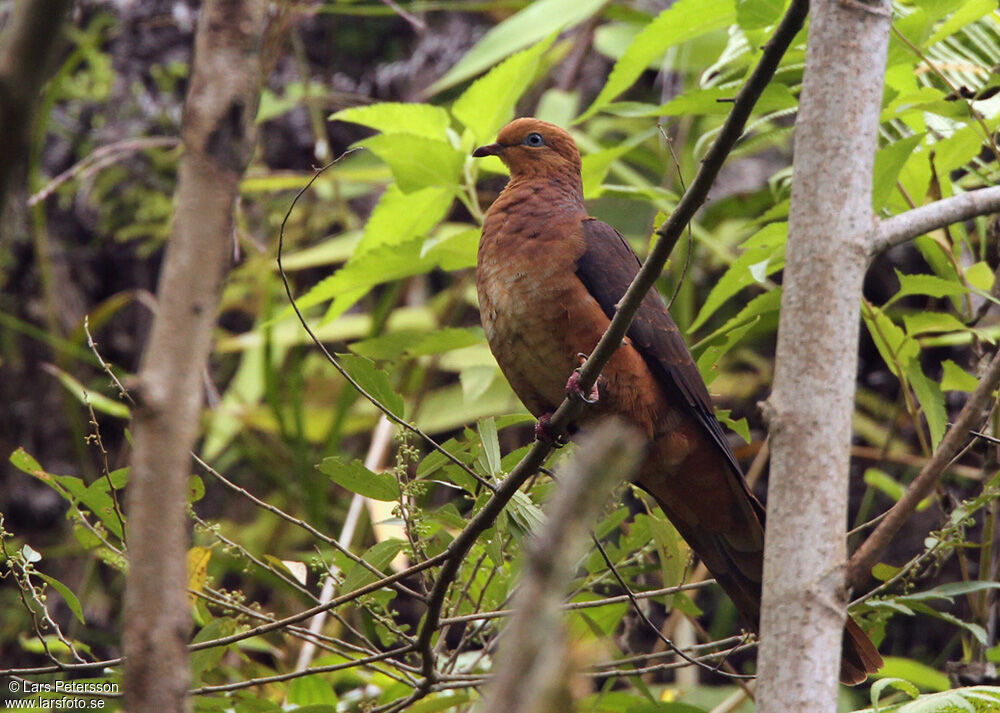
x,y
535,669
831,225
218,135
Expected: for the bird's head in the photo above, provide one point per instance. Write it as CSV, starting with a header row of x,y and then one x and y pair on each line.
x,y
535,148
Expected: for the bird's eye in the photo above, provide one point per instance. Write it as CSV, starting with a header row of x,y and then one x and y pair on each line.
x,y
534,139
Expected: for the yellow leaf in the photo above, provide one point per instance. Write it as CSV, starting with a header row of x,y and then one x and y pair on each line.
x,y
197,562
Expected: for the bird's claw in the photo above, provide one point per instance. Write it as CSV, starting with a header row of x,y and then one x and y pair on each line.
x,y
573,389
544,433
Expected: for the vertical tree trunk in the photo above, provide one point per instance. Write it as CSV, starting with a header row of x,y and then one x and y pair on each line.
x,y
218,132
810,409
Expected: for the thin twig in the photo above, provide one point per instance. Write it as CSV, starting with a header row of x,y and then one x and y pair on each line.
x,y
867,554
336,364
918,221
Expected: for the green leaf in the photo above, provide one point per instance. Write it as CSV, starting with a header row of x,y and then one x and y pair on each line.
x,y
968,12
903,685
741,427
355,477
440,702
767,245
880,480
673,551
758,14
537,20
379,556
889,161
207,659
310,690
980,276
373,380
101,403
909,670
381,264
417,161
955,378
524,513
895,347
431,122
491,445
884,572
25,462
932,323
930,285
489,103
399,217
446,340
931,401
682,21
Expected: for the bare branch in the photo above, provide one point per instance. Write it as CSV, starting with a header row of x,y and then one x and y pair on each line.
x,y
862,561
918,221
534,666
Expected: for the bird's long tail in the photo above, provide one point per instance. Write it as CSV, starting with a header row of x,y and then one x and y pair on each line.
x,y
724,524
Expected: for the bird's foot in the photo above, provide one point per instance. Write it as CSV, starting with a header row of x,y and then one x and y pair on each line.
x,y
573,387
545,433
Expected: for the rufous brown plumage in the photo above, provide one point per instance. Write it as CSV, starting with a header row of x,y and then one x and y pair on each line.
x,y
549,277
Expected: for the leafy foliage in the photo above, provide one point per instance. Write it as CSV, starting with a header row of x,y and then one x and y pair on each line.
x,y
380,253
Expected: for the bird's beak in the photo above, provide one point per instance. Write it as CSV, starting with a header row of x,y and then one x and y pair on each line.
x,y
488,150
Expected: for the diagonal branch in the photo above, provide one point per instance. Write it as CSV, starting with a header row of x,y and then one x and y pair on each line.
x,y
532,674
862,561
914,223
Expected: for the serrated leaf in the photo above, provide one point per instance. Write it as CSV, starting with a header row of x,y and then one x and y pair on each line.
x,y
682,21
67,594
400,216
356,478
768,244
930,285
425,120
889,161
740,427
373,380
489,103
379,556
537,20
416,161
932,322
895,347
980,276
955,378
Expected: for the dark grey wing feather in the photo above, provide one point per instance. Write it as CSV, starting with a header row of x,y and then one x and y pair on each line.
x,y
607,268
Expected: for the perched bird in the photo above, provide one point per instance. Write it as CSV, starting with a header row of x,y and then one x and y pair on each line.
x,y
549,277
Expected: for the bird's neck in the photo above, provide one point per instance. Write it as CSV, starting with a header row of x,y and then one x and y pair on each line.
x,y
555,192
